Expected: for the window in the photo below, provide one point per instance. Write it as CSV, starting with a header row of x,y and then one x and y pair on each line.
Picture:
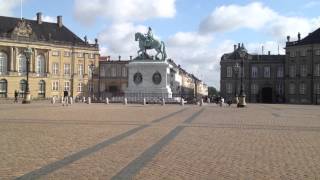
x,y
80,55
303,70
3,88
23,86
292,88
254,71
91,56
67,54
80,70
292,71
67,85
55,53
80,87
317,52
266,73
55,85
229,71
42,89
22,68
279,89
113,72
302,88
55,68
254,89
3,63
317,88
317,70
280,72
229,88
90,71
292,53
303,52
124,72
66,69
40,66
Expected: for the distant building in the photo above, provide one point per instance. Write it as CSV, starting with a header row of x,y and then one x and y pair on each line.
x,y
113,78
290,78
60,59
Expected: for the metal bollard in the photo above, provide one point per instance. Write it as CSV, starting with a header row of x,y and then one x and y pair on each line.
x,y
125,101
107,100
53,100
71,101
89,100
83,99
144,101
163,102
208,101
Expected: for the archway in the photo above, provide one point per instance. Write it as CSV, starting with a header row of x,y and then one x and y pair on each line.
x,y
266,94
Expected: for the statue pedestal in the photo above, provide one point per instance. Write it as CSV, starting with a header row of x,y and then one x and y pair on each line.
x,y
148,78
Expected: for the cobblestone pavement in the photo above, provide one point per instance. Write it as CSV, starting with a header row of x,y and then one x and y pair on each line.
x,y
98,141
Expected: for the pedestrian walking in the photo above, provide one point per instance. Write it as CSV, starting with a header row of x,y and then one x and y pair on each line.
x,y
65,98
15,96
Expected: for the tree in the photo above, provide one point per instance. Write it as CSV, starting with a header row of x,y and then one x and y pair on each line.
x,y
212,91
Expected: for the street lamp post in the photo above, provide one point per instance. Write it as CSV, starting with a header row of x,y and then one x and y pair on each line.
x,y
92,66
242,98
27,96
236,69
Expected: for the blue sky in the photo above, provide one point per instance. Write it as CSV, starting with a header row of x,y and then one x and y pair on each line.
x,y
196,33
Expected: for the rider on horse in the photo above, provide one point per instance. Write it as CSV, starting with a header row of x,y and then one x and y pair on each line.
x,y
149,37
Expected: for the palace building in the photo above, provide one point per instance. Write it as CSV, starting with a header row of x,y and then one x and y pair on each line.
x,y
60,60
290,78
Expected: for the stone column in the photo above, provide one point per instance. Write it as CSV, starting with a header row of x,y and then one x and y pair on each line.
x,y
16,53
47,61
11,59
33,61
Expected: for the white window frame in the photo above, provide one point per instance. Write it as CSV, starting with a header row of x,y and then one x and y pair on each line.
x,y
229,89
303,52
67,54
3,63
80,87
55,85
317,89
292,53
317,69
55,53
317,52
303,70
80,70
254,71
266,72
80,55
292,71
302,88
254,89
22,64
292,88
67,69
91,55
55,68
67,85
280,89
124,72
40,64
113,71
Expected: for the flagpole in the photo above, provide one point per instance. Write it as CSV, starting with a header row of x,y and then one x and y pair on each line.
x,y
21,9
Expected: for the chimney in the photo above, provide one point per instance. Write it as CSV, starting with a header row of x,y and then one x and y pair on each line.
x,y
85,39
235,47
130,58
59,21
269,53
108,58
299,36
119,58
288,38
238,45
39,18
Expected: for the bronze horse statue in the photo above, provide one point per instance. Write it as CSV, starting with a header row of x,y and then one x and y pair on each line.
x,y
146,43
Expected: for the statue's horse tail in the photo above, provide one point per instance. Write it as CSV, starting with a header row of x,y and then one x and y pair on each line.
x,y
164,54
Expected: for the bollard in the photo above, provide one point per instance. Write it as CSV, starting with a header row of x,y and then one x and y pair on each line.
x,y
201,102
208,100
83,99
182,102
53,100
144,101
125,101
163,102
71,101
89,100
107,100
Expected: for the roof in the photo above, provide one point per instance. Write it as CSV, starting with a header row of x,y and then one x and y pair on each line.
x,y
42,32
312,38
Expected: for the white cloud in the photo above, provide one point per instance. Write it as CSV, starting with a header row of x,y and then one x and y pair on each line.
x,y
258,17
6,7
124,10
46,18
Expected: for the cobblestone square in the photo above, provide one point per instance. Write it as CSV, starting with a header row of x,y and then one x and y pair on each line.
x,y
99,141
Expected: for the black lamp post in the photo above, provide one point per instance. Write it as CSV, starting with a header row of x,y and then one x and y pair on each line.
x,y
242,98
27,97
92,66
236,69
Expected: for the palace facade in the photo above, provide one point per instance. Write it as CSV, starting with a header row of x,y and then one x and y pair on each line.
x,y
60,59
290,78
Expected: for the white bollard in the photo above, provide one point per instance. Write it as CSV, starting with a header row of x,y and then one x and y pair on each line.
x,y
71,100
201,102
144,101
125,102
53,100
182,102
163,102
107,100
208,100
89,100
83,99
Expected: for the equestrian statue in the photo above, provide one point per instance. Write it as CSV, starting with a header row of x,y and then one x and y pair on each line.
x,y
146,42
